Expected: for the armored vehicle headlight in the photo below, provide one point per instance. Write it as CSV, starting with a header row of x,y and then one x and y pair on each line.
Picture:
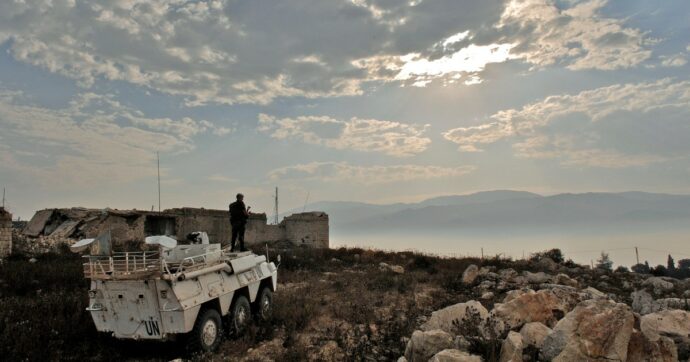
x,y
93,293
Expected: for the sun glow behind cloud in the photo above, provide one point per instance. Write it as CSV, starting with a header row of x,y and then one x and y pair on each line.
x,y
471,59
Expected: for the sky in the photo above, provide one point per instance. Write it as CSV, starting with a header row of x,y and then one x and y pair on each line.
x,y
360,100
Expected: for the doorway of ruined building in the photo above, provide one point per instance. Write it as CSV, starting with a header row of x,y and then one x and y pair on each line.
x,y
159,225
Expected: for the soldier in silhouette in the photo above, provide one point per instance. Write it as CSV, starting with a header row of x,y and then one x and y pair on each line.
x,y
239,214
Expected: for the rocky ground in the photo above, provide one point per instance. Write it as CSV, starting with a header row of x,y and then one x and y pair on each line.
x,y
353,304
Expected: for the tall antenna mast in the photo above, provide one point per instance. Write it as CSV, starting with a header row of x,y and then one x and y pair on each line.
x,y
306,200
275,210
158,157
3,197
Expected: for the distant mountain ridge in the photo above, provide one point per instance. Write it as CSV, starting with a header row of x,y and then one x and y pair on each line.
x,y
507,209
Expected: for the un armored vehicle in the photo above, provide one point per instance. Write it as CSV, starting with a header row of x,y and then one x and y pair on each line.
x,y
191,291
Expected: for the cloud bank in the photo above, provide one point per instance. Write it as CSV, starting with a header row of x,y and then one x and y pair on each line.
x,y
229,52
616,126
367,135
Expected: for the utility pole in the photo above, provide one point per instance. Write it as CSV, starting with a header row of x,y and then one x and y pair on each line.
x,y
482,253
306,200
275,210
158,158
637,255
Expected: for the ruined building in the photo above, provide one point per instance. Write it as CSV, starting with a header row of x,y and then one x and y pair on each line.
x,y
306,229
5,233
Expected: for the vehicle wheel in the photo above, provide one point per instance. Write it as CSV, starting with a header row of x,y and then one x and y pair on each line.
x,y
207,332
264,304
241,315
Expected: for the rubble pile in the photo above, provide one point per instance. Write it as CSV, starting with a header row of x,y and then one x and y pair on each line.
x,y
554,317
50,228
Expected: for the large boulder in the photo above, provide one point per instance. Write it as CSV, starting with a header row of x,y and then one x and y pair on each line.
x,y
534,334
425,344
454,355
665,323
511,349
597,329
641,348
526,306
443,319
470,274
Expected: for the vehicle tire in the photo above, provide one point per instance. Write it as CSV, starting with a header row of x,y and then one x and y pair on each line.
x,y
240,315
207,332
264,304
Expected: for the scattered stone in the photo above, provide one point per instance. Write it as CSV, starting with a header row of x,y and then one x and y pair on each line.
x,y
553,345
492,276
397,269
507,274
462,343
659,285
641,348
529,306
566,280
487,296
596,329
534,334
643,302
511,349
470,274
443,319
32,260
487,284
665,322
484,271
537,278
548,264
594,293
454,355
424,345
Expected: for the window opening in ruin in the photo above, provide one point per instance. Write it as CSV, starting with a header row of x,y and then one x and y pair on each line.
x,y
159,225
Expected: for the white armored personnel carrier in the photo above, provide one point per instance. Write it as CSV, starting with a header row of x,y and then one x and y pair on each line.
x,y
196,290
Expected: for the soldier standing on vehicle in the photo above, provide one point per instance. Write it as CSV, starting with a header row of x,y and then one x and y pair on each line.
x,y
238,220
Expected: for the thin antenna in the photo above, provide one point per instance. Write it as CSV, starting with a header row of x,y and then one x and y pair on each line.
x,y
306,200
3,197
637,255
158,157
275,209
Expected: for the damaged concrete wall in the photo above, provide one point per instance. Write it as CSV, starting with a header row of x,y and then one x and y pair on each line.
x,y
130,227
307,228
5,233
